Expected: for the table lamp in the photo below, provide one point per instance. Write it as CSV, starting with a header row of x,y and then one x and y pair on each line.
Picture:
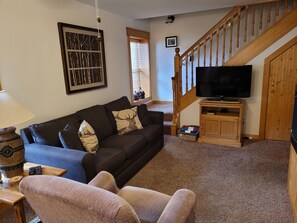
x,y
11,144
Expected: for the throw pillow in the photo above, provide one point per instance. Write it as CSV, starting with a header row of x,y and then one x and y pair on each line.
x,y
116,105
69,137
127,120
88,137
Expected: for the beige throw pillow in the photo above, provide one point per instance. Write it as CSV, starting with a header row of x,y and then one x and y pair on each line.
x,y
88,137
127,120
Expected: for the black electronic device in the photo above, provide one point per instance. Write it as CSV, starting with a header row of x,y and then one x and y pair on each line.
x,y
224,82
36,170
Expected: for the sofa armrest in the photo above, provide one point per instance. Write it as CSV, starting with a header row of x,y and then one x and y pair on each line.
x,y
179,208
68,159
157,117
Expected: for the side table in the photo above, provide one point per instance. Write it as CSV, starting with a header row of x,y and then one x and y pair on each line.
x,y
10,195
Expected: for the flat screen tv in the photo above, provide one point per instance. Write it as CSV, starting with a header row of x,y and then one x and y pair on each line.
x,y
224,82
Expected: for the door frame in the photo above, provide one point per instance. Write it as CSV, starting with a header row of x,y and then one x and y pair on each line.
x,y
266,76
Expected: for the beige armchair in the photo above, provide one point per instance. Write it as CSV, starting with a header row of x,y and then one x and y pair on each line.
x,y
57,199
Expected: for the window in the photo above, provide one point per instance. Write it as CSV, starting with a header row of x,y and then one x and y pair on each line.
x,y
138,44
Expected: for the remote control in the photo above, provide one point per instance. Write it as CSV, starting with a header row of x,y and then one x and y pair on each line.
x,y
37,170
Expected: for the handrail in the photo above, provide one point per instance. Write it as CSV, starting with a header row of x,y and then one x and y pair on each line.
x,y
212,30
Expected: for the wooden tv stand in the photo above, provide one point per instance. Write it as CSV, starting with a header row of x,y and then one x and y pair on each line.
x,y
221,122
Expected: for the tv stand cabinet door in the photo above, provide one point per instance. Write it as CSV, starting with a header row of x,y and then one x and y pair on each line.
x,y
210,127
229,129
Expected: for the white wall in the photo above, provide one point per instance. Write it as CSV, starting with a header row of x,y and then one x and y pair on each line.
x,y
188,28
190,115
30,57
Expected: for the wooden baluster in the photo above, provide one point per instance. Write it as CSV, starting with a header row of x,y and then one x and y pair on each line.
x,y
253,22
245,25
204,43
261,18
187,73
224,43
217,50
277,11
210,49
269,15
231,36
238,29
286,8
192,68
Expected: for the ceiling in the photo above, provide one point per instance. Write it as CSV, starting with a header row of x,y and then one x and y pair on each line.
x,y
144,9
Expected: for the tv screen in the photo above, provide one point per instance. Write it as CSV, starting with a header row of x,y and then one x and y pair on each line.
x,y
224,81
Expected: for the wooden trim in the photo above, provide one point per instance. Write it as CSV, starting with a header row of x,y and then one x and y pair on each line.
x,y
188,98
266,83
143,36
0,87
137,33
161,102
142,101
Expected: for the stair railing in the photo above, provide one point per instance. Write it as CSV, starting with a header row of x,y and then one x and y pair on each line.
x,y
240,27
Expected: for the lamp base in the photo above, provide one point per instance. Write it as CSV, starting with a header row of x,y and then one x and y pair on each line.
x,y
11,153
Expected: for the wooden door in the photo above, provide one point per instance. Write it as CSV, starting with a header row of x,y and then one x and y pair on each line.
x,y
281,89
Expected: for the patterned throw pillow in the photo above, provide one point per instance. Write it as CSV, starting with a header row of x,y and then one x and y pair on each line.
x,y
127,120
88,137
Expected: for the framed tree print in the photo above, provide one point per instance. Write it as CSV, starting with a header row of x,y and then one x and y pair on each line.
x,y
83,57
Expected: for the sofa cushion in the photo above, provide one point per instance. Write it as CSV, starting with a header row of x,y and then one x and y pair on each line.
x,y
130,144
69,137
150,133
47,133
109,159
144,115
88,137
116,105
96,116
127,120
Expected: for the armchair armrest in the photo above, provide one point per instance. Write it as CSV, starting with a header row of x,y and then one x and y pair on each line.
x,y
179,207
68,159
105,181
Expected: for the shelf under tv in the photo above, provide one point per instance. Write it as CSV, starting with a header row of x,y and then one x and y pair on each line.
x,y
223,100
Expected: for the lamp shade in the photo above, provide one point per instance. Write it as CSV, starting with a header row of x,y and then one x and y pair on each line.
x,y
11,112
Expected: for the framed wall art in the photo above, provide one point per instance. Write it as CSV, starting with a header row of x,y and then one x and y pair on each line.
x,y
171,41
83,57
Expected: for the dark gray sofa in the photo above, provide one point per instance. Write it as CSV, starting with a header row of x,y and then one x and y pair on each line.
x,y
121,155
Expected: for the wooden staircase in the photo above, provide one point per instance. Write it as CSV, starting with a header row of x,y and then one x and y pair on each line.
x,y
237,38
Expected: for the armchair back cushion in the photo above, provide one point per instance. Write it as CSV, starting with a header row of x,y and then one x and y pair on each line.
x,y
72,202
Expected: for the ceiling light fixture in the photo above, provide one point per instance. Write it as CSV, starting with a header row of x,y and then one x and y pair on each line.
x,y
170,19
98,18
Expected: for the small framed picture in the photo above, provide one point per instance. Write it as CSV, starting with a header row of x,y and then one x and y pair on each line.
x,y
171,41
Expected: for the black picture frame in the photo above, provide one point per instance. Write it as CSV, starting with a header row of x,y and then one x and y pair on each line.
x,y
83,57
171,41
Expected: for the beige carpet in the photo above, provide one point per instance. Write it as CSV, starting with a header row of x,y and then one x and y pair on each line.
x,y
232,185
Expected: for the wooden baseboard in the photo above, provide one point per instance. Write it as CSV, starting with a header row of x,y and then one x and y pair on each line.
x,y
162,102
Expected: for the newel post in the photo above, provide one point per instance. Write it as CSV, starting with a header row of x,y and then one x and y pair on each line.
x,y
177,78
